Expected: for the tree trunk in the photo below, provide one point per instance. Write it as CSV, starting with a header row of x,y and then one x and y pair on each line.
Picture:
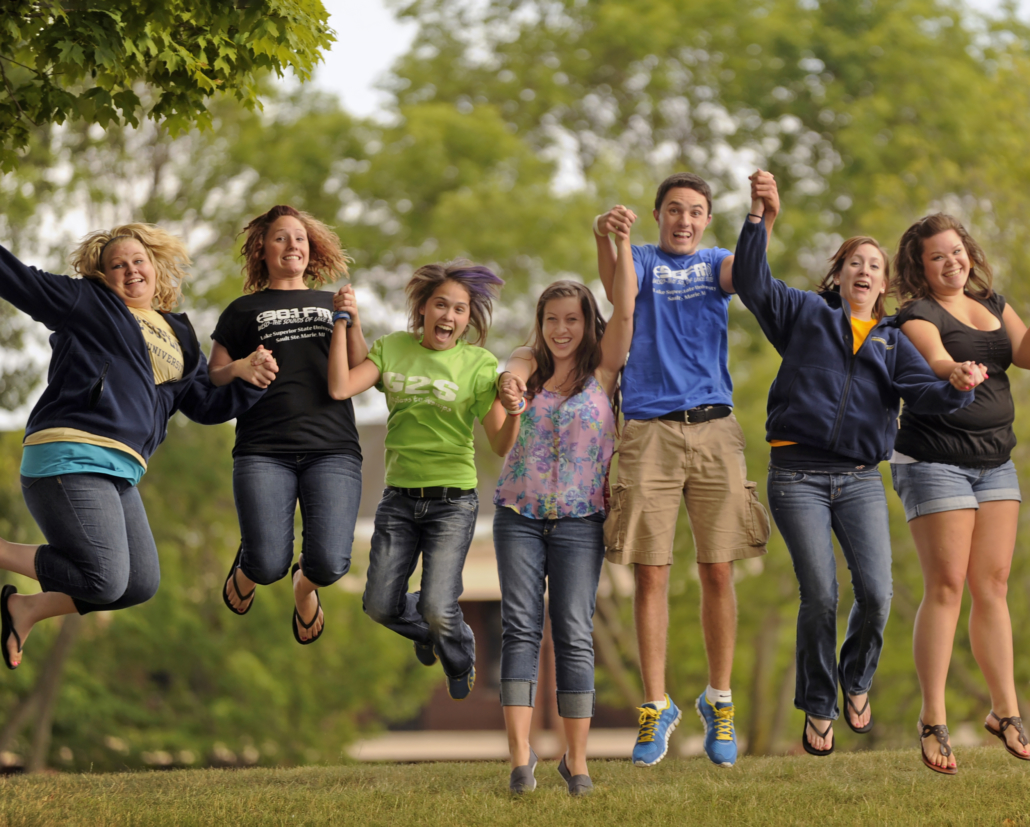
x,y
759,726
46,691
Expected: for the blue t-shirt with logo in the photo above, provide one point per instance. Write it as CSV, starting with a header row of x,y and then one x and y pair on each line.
x,y
679,356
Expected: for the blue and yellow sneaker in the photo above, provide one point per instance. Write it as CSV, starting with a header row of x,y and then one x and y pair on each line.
x,y
720,739
656,725
460,687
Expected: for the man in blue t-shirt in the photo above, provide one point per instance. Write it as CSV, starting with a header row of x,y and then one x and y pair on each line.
x,y
682,440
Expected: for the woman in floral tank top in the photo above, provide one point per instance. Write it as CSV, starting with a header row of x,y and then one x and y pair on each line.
x,y
551,507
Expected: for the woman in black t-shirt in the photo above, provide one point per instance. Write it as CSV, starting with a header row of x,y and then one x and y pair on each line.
x,y
955,478
297,444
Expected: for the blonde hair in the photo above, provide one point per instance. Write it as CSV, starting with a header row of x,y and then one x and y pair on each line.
x,y
326,259
167,253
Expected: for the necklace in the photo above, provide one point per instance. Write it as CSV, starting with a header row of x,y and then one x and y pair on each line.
x,y
559,387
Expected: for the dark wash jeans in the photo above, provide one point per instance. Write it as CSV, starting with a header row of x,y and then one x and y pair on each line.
x,y
267,488
99,549
441,531
807,506
568,553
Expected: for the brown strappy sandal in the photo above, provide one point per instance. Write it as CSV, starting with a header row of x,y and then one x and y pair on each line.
x,y
1004,723
940,732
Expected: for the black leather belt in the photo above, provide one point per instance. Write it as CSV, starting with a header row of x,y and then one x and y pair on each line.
x,y
437,493
702,413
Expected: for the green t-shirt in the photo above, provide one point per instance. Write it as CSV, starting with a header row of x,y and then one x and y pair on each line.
x,y
434,396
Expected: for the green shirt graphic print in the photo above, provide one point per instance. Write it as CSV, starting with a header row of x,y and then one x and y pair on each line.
x,y
434,397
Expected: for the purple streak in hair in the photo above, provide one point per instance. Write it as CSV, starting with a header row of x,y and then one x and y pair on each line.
x,y
480,281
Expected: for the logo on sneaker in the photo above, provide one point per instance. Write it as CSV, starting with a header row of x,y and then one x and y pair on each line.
x,y
460,687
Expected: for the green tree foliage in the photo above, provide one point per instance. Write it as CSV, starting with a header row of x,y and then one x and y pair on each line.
x,y
72,60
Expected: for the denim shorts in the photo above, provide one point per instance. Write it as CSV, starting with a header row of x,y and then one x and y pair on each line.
x,y
932,487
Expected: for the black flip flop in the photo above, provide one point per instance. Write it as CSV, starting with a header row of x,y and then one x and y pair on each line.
x,y
232,579
7,625
804,738
297,620
850,703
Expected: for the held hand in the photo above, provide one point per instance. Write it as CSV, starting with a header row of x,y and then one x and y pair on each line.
x,y
765,197
510,394
508,378
617,220
967,375
259,368
261,355
344,299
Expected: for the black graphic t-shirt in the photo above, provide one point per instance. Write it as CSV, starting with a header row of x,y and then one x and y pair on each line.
x,y
296,414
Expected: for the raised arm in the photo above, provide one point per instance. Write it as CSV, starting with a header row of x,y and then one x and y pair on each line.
x,y
765,206
345,381
619,332
357,348
618,218
45,297
259,368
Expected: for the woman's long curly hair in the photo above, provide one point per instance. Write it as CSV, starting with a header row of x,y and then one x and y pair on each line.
x,y
911,283
481,283
588,354
167,253
327,260
846,250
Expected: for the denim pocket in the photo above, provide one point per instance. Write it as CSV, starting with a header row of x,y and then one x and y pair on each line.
x,y
780,476
466,502
868,474
28,482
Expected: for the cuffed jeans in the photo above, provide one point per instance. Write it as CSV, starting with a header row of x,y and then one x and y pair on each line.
x,y
267,488
441,531
99,549
806,507
568,553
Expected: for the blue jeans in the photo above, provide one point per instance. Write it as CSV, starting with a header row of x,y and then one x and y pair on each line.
x,y
441,531
932,487
99,549
567,553
806,507
267,488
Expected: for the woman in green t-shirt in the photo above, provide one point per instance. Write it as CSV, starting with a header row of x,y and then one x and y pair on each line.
x,y
436,384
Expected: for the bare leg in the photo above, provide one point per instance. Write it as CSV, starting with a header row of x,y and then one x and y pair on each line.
x,y
19,558
28,609
518,721
718,620
651,616
307,604
943,542
990,627
576,732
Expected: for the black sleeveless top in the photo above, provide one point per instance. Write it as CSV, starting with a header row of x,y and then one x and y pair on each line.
x,y
980,435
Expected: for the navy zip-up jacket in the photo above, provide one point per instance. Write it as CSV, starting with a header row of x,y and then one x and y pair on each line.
x,y
100,378
825,396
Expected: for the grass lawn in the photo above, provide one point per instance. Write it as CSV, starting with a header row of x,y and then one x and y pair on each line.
x,y
858,788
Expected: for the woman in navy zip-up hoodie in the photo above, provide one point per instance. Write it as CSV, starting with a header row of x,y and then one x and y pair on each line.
x,y
122,364
833,411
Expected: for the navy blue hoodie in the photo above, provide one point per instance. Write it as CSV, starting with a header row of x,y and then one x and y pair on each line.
x,y
825,396
100,378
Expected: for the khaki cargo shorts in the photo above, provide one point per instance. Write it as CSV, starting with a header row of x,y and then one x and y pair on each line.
x,y
661,461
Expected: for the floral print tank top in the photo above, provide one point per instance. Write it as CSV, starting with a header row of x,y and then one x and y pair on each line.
x,y
558,465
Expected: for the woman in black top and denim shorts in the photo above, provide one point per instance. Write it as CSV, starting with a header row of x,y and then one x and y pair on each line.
x,y
955,478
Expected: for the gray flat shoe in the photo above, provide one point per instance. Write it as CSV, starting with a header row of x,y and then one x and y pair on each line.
x,y
577,784
522,780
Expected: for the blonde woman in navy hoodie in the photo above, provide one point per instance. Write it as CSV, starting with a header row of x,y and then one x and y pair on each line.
x,y
122,365
833,411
